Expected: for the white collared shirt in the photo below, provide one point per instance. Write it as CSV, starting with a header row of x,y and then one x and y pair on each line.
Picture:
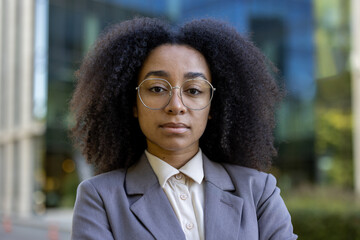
x,y
185,190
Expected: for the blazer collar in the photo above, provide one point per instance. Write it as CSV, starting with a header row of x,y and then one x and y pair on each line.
x,y
214,174
149,203
222,213
217,175
140,177
223,209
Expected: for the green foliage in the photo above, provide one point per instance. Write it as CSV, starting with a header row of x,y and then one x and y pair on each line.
x,y
333,130
324,213
318,224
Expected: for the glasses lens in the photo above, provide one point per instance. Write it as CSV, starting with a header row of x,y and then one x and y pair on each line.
x,y
196,93
154,93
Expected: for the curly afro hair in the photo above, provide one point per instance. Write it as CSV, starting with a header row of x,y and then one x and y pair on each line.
x,y
242,110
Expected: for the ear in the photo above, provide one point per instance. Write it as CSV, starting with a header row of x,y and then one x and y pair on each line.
x,y
135,112
209,117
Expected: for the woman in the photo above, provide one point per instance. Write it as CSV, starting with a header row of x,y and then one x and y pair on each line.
x,y
178,124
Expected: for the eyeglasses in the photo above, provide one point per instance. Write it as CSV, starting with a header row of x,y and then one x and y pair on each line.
x,y
156,93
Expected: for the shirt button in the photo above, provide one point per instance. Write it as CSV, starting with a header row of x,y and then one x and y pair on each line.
x,y
189,226
183,196
178,176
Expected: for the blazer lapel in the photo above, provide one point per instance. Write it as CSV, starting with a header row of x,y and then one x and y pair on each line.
x,y
223,210
151,205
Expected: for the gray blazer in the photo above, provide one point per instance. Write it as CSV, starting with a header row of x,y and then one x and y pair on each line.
x,y
240,203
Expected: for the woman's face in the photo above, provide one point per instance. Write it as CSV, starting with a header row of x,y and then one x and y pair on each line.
x,y
174,129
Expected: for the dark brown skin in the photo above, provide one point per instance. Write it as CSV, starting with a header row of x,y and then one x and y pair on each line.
x,y
173,133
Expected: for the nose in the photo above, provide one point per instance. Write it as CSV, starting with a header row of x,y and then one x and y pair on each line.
x,y
175,105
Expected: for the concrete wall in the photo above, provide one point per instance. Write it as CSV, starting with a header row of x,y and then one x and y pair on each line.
x,y
18,129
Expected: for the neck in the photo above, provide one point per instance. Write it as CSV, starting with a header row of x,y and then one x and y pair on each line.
x,y
178,158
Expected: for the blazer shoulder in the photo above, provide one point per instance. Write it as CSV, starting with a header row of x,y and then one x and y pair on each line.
x,y
244,173
105,180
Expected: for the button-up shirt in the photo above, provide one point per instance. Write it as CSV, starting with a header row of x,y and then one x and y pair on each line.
x,y
185,190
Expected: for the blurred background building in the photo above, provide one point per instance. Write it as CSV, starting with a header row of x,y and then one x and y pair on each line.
x,y
43,42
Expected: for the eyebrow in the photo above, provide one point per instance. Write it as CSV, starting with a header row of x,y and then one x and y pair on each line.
x,y
157,74
188,75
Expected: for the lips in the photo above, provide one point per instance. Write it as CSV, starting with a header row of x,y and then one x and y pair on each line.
x,y
174,127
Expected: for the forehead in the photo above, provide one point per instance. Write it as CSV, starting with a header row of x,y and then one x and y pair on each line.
x,y
176,60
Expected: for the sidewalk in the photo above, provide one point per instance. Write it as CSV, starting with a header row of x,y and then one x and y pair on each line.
x,y
54,225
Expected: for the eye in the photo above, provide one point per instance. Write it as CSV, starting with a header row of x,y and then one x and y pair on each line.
x,y
193,91
157,89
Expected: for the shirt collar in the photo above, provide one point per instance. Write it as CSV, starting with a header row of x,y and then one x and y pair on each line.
x,y
193,168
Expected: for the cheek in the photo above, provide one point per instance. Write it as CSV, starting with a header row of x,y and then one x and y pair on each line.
x,y
140,111
145,129
201,121
146,120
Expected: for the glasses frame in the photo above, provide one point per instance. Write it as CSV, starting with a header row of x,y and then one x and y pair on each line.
x,y
171,92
